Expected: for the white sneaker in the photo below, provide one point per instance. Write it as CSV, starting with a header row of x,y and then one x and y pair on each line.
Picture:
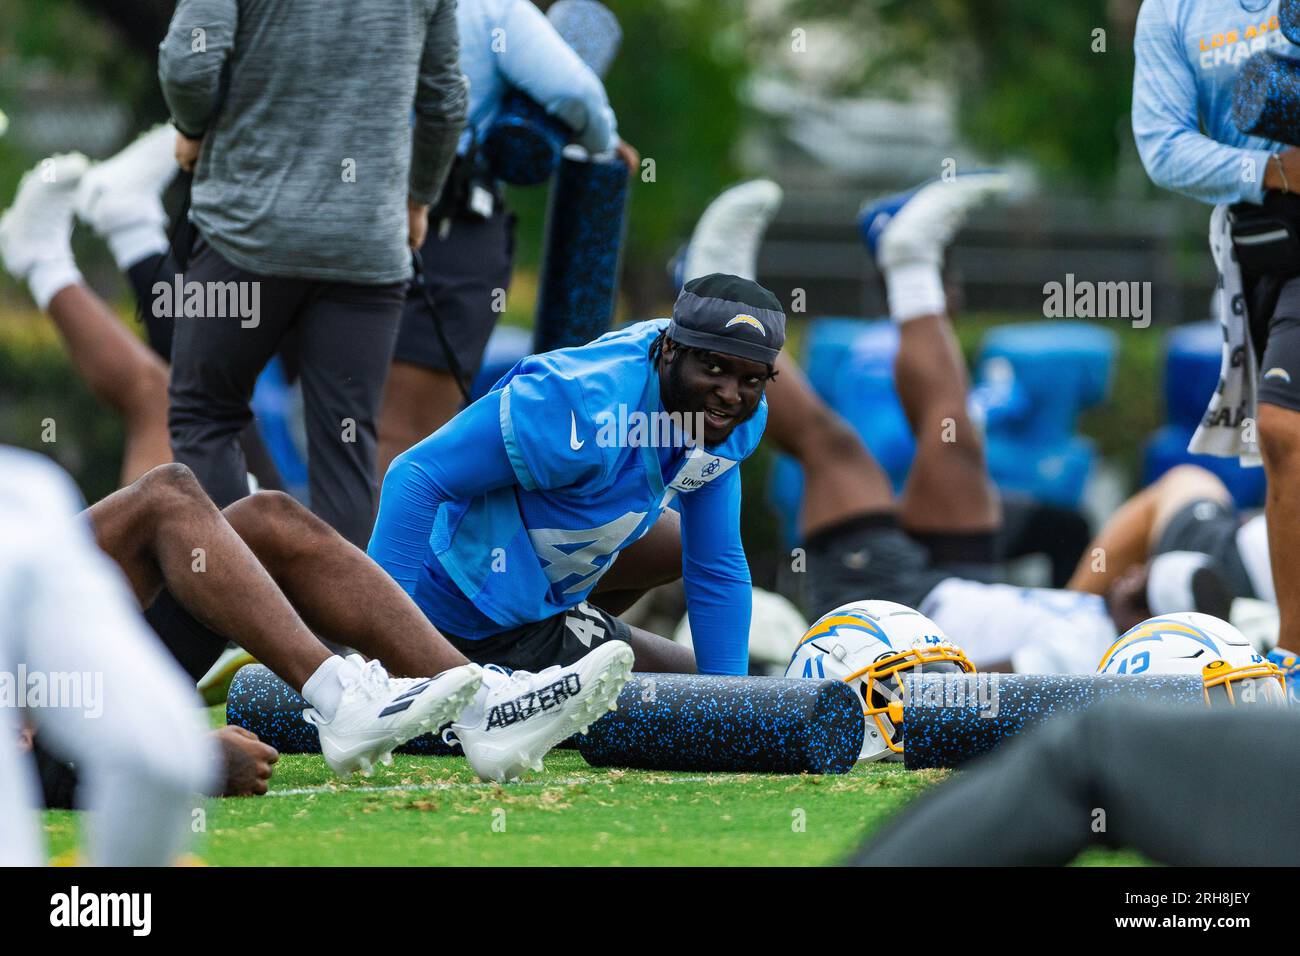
x,y
379,713
926,220
124,190
519,717
727,237
38,226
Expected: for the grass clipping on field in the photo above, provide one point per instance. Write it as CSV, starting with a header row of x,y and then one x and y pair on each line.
x,y
428,811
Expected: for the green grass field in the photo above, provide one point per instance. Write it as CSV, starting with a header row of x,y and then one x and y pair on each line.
x,y
427,811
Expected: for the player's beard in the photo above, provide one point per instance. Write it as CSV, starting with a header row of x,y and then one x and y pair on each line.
x,y
677,396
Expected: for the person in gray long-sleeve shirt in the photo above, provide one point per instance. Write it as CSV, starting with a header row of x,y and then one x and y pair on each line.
x,y
311,187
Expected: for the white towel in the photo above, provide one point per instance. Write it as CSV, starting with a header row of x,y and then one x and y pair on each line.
x,y
1228,429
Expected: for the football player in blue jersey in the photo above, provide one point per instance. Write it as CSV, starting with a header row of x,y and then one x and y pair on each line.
x,y
505,524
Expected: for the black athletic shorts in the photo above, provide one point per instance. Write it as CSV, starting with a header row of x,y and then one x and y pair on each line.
x,y
1209,527
866,559
561,639
1275,329
463,271
194,645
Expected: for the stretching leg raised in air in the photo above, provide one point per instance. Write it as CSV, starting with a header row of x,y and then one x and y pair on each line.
x,y
119,369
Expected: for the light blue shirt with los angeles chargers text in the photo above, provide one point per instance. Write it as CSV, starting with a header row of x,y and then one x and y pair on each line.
x,y
1188,54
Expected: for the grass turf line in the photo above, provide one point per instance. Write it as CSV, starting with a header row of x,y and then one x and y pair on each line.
x,y
432,811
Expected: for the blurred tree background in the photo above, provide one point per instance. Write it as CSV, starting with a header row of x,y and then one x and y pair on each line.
x,y
1031,82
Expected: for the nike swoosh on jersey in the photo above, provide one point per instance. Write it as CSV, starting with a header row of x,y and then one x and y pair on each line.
x,y
573,433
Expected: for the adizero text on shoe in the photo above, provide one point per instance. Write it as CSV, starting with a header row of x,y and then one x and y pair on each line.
x,y
521,716
379,713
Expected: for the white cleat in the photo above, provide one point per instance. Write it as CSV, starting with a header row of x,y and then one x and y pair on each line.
x,y
125,190
38,226
521,716
925,222
727,237
379,713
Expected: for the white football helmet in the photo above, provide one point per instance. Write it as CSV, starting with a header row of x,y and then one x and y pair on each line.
x,y
868,645
1200,644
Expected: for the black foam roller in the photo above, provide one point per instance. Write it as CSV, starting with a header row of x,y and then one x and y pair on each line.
x,y
730,724
585,219
951,718
261,702
1266,98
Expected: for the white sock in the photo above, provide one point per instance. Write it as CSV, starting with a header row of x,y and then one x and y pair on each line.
x,y
48,277
137,241
324,689
915,289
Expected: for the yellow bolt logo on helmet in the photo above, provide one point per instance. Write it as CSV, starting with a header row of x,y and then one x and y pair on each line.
x,y
1201,645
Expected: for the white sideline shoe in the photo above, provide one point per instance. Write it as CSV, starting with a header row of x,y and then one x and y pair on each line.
x,y
521,716
379,713
124,190
38,226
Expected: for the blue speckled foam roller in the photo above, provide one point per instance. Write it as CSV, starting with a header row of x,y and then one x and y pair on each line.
x,y
1266,98
263,703
951,718
585,220
524,144
729,724
590,28
1288,15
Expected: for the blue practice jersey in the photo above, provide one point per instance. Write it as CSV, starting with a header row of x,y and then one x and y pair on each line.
x,y
1188,55
513,511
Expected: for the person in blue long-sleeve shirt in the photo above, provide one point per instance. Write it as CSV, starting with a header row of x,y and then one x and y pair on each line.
x,y
468,254
503,523
1188,55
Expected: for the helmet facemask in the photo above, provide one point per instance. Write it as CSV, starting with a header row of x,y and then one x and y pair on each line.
x,y
1259,684
881,686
